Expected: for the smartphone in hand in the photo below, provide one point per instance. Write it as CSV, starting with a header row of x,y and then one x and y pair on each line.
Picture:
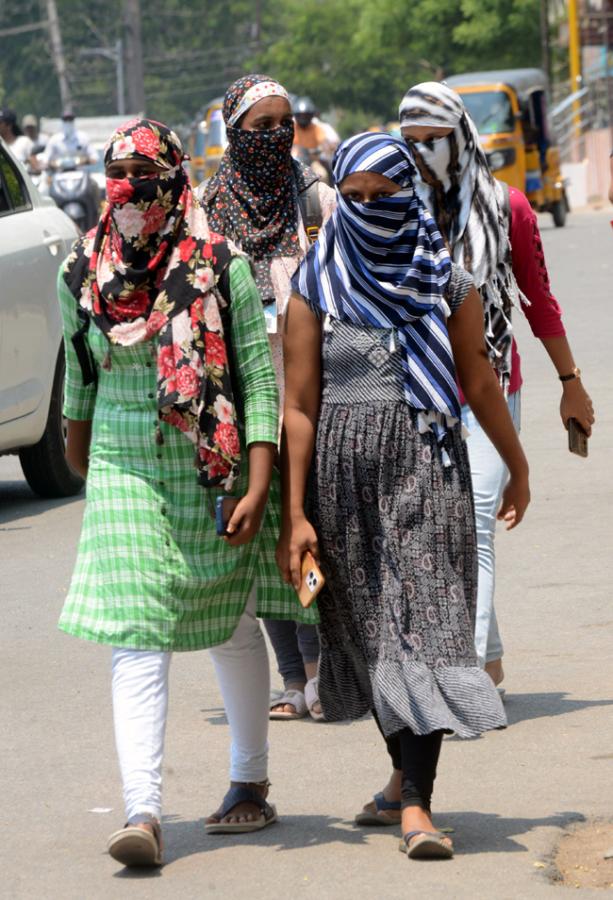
x,y
312,580
224,507
577,438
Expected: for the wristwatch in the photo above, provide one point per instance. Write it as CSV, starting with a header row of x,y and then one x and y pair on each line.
x,y
576,373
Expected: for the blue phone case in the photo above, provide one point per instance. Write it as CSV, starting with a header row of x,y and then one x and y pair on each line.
x,y
220,523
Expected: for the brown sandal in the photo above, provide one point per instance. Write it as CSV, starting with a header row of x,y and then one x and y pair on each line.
x,y
136,846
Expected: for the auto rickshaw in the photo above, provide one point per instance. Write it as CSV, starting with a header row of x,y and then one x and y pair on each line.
x,y
207,142
509,108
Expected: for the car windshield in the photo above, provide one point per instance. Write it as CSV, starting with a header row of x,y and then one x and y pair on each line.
x,y
491,111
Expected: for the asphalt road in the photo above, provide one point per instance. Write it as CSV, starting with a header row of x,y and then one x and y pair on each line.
x,y
508,796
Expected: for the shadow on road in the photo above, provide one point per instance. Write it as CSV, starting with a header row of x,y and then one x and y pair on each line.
x,y
18,501
522,707
473,832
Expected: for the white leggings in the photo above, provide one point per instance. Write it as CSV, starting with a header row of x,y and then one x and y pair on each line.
x,y
140,706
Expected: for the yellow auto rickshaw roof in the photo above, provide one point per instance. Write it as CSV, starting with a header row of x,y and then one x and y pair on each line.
x,y
523,81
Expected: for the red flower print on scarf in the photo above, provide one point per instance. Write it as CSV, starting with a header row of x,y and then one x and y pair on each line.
x,y
175,419
186,249
155,322
166,361
154,217
118,190
226,436
216,466
215,349
187,381
196,312
132,306
146,142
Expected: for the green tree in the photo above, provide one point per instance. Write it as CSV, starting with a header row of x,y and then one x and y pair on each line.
x,y
357,56
366,54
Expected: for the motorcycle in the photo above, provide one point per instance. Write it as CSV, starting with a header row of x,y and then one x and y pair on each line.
x,y
75,191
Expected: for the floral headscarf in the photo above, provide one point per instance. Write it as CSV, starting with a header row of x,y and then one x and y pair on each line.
x,y
150,268
253,197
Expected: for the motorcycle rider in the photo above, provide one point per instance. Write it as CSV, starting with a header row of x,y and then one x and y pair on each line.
x,y
68,142
311,133
31,129
80,199
10,132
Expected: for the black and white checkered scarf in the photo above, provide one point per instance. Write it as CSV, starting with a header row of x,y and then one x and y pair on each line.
x,y
471,208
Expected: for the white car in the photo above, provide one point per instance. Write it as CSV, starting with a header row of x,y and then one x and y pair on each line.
x,y
35,237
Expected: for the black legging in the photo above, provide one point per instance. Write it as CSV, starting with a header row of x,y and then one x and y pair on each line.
x,y
416,755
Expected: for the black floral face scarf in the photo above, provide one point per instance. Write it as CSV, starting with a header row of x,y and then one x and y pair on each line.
x,y
253,196
150,268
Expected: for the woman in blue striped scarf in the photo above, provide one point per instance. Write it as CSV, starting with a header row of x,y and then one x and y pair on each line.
x,y
379,324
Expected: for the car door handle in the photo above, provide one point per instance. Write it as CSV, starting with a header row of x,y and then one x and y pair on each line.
x,y
53,242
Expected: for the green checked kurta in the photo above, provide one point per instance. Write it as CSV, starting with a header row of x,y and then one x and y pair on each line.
x,y
151,572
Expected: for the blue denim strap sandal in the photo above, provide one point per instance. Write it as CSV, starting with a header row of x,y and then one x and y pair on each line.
x,y
242,793
385,812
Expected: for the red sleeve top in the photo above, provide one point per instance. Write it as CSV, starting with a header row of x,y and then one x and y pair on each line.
x,y
544,313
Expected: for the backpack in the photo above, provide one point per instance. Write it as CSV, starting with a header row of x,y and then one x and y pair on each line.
x,y
310,211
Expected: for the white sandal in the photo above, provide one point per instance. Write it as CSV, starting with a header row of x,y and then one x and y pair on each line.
x,y
311,695
290,698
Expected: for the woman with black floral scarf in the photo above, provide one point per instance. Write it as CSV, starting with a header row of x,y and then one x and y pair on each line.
x,y
257,200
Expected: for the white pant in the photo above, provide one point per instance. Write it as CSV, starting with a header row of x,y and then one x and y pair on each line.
x,y
489,477
140,705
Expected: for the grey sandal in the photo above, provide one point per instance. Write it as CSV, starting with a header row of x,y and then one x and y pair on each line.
x,y
134,846
428,845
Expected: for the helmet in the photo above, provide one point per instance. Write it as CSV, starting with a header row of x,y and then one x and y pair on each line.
x,y
304,106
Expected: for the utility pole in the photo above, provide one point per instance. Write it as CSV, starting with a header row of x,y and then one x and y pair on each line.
x,y
115,54
574,60
133,55
57,52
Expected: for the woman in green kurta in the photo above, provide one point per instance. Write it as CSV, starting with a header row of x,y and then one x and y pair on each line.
x,y
170,392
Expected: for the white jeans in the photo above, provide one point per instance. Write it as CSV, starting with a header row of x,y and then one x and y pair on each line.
x,y
489,477
140,705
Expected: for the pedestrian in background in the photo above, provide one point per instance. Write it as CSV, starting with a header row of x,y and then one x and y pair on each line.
x,y
378,317
152,302
10,132
492,231
264,201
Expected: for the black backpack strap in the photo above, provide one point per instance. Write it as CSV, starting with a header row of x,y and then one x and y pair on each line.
x,y
221,267
310,211
89,371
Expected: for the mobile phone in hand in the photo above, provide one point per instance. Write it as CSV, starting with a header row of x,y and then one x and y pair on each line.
x,y
224,507
577,438
312,580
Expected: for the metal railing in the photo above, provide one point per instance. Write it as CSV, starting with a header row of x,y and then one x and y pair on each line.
x,y
586,110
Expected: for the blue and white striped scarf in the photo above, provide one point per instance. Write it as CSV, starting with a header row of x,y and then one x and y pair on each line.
x,y
385,264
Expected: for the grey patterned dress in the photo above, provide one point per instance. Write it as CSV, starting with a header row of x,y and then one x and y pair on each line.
x,y
397,540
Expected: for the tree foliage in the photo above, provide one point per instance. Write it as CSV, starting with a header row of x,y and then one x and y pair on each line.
x,y
358,56
349,53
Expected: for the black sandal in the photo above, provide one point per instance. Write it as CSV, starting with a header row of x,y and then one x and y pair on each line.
x,y
236,795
